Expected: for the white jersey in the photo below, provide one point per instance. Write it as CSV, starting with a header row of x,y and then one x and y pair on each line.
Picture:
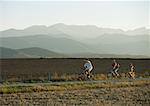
x,y
88,66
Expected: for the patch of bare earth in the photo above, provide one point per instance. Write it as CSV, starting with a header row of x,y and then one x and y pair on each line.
x,y
130,96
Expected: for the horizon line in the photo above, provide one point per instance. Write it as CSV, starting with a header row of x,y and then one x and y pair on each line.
x,y
76,25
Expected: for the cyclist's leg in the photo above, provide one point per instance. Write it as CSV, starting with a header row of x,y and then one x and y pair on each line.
x,y
130,74
133,74
89,75
116,71
86,72
113,73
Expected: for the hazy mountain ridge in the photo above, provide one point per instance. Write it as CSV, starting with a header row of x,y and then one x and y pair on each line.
x,y
94,55
10,53
62,45
72,30
36,52
73,39
33,52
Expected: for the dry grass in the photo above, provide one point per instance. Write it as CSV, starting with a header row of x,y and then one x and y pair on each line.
x,y
70,86
100,77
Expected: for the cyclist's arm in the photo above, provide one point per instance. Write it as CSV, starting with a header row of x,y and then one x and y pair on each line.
x,y
115,66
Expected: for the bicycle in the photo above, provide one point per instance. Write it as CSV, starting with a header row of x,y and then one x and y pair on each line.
x,y
130,75
85,76
112,74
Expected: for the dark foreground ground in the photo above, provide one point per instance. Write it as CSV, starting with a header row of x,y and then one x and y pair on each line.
x,y
24,69
132,96
103,94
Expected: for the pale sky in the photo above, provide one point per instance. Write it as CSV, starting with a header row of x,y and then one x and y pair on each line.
x,y
109,14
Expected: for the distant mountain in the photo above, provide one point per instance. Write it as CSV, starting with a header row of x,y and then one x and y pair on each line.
x,y
36,52
33,52
39,52
33,30
122,44
94,55
138,31
10,53
79,39
61,45
75,31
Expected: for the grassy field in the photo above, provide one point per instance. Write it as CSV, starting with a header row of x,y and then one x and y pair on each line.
x,y
70,86
133,92
41,69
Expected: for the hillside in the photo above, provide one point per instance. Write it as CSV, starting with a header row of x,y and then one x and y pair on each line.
x,y
11,53
33,52
36,52
62,45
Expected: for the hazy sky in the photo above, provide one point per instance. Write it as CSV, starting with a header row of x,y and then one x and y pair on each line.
x,y
111,14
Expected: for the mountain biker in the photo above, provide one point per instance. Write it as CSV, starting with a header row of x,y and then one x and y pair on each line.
x,y
132,70
115,68
88,67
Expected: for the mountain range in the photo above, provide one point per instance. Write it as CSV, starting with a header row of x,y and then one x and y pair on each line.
x,y
78,39
34,52
75,31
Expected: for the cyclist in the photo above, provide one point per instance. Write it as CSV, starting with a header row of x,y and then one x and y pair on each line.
x,y
115,68
88,67
132,70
